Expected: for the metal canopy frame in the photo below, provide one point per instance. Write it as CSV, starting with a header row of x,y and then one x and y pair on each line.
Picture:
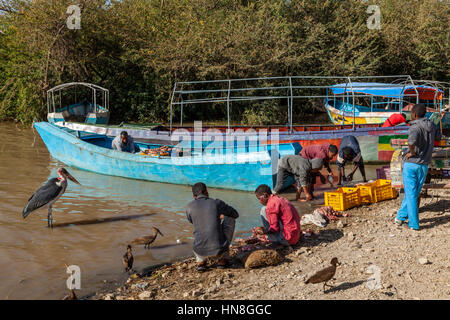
x,y
227,91
94,88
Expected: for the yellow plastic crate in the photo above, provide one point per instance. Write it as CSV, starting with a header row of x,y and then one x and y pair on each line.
x,y
376,191
384,190
367,192
342,199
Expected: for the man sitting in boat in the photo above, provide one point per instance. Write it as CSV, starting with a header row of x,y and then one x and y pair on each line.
x,y
301,170
281,221
395,119
326,152
349,151
124,143
214,223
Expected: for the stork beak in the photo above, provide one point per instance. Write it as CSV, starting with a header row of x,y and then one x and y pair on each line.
x,y
73,179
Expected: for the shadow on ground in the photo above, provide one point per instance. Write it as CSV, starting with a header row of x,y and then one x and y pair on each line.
x,y
345,286
436,206
428,223
324,236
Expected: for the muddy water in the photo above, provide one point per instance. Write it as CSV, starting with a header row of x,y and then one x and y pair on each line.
x,y
93,222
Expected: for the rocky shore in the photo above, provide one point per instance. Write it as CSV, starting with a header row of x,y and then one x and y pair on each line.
x,y
379,260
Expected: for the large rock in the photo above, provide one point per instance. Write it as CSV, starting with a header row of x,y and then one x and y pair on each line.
x,y
262,258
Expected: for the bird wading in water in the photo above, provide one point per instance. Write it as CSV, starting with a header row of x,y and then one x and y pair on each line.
x,y
324,275
147,240
48,194
128,259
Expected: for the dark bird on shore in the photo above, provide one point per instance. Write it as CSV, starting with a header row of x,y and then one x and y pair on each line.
x,y
324,275
71,296
147,240
128,259
48,194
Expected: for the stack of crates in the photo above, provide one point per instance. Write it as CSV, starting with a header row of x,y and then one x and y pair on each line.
x,y
346,198
376,191
343,198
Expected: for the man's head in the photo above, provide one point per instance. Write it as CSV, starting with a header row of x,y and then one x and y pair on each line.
x,y
316,164
263,193
332,151
124,137
348,153
199,189
418,111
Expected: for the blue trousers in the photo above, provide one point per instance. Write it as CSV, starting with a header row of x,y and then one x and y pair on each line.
x,y
413,178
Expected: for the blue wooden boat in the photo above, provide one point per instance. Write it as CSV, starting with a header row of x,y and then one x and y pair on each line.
x,y
242,169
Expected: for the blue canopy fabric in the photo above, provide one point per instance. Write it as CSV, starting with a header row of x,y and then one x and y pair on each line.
x,y
387,90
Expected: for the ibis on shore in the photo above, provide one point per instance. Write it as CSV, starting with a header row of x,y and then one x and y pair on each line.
x,y
128,259
48,194
324,275
147,240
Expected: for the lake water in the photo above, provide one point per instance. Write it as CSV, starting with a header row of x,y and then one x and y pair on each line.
x,y
93,222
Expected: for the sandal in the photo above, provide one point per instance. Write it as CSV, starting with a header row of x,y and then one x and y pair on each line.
x,y
409,228
397,222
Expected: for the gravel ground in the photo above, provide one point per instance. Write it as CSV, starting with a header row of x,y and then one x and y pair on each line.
x,y
404,264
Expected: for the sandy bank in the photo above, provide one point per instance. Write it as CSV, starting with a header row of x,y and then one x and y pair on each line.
x,y
408,264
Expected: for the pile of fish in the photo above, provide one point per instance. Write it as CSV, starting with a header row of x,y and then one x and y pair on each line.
x,y
163,151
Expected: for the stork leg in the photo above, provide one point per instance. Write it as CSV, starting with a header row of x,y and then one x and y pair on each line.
x,y
49,217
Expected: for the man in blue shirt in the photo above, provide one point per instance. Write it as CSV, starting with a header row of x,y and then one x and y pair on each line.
x,y
421,137
349,151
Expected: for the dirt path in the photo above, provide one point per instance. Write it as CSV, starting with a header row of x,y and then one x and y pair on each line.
x,y
409,264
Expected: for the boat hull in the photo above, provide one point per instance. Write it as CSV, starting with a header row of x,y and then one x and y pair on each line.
x,y
245,171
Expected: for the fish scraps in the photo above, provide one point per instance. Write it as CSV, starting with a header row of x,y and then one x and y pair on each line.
x,y
254,242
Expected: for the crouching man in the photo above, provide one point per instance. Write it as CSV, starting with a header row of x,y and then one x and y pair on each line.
x,y
281,221
302,170
214,223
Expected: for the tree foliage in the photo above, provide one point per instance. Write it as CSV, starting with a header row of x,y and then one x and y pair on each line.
x,y
139,48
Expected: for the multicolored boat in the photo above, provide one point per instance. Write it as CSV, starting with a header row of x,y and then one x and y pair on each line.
x,y
363,102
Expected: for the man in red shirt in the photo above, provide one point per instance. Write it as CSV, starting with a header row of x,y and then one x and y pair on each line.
x,y
326,152
280,218
395,120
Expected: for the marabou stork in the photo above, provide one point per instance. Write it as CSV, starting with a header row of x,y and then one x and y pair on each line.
x,y
47,195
